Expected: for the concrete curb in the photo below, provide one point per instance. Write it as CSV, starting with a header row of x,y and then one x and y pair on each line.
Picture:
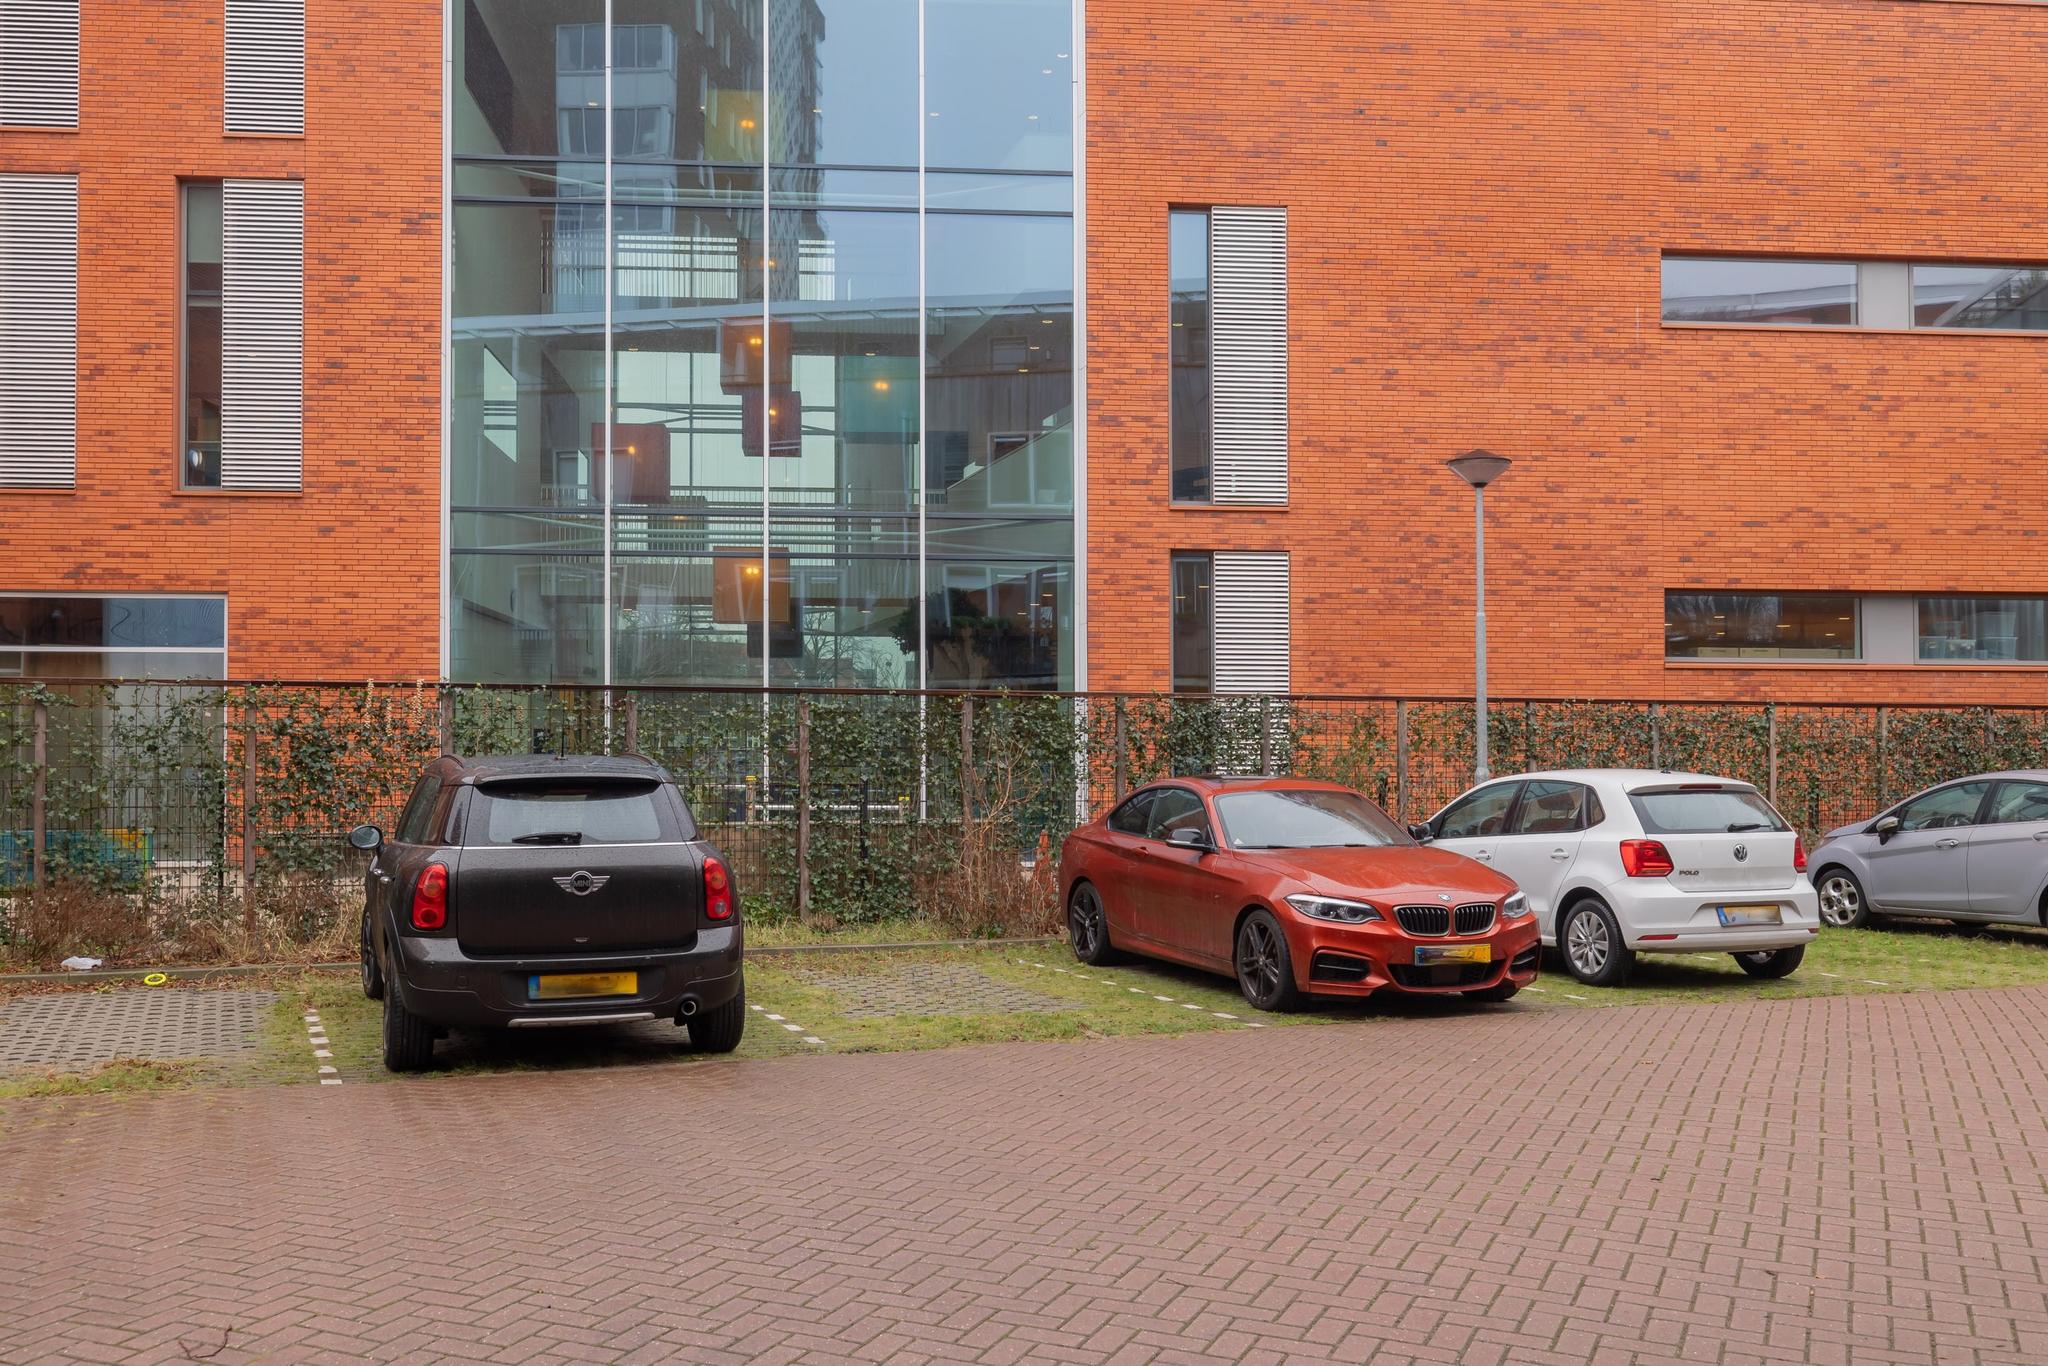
x,y
256,969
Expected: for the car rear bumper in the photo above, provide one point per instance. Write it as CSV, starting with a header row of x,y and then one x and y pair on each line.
x,y
1346,960
442,985
1658,918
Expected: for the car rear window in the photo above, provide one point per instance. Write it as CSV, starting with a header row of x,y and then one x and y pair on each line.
x,y
558,812
1703,811
1280,818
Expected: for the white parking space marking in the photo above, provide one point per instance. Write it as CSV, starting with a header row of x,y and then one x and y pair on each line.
x,y
316,1039
1113,984
797,1029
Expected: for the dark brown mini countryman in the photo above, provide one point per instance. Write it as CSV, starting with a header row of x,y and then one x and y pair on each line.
x,y
540,890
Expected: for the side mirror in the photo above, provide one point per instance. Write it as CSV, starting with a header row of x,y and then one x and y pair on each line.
x,y
1421,832
1191,839
366,837
1886,828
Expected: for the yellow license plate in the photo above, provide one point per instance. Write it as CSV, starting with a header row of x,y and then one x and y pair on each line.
x,y
1453,953
564,985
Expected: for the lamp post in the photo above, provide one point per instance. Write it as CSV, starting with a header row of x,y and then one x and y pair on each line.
x,y
1479,468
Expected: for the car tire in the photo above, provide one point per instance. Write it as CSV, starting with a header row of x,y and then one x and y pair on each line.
x,y
408,1040
1589,941
720,1030
373,971
1772,963
1265,969
1088,926
1503,990
1843,906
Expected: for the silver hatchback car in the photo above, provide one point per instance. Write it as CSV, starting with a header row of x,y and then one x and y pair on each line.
x,y
1973,850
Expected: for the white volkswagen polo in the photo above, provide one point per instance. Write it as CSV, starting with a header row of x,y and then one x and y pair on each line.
x,y
1617,862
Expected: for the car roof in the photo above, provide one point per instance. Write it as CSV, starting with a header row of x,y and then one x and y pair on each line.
x,y
488,768
1245,782
1628,778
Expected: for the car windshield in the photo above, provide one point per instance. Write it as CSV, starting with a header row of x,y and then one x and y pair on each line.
x,y
566,813
1307,818
1703,811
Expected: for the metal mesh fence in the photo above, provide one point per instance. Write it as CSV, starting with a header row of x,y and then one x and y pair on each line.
x,y
856,805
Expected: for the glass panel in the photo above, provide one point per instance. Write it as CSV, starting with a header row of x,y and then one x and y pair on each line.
x,y
1550,808
1478,814
525,618
199,464
1188,289
525,73
532,180
2013,297
999,625
556,531
1760,626
1996,630
1193,648
132,622
1701,289
1701,813
1015,193
855,620
999,298
844,82
1944,808
807,186
2020,803
139,664
999,84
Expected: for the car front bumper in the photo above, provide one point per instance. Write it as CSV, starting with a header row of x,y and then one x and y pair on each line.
x,y
1333,959
444,986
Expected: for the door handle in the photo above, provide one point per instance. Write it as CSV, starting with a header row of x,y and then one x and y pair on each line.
x,y
2042,836
1483,855
1560,854
1947,844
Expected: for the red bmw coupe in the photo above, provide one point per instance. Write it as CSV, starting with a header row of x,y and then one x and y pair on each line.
x,y
1296,888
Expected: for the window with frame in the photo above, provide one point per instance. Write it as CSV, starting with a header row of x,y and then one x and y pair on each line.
x,y
1761,626
1983,630
55,635
1134,816
1176,809
200,282
1479,814
1710,289
1944,808
2018,802
1188,312
1194,653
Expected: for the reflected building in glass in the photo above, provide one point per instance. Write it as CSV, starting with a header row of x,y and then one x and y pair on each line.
x,y
762,354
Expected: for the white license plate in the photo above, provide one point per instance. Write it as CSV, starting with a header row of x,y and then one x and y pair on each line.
x,y
1750,915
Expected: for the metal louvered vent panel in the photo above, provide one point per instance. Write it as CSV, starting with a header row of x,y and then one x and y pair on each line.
x,y
1253,640
39,63
38,331
1248,354
266,66
262,330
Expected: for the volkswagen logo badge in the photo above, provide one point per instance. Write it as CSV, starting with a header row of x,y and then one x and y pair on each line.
x,y
1741,853
581,882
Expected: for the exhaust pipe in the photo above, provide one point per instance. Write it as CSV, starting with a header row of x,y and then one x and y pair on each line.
x,y
689,1006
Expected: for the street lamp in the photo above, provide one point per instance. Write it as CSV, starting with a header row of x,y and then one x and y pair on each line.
x,y
1479,468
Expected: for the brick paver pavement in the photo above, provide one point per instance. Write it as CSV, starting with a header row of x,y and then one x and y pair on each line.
x,y
1820,1180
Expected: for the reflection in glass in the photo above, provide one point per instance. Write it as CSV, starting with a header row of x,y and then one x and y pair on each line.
x,y
1999,630
990,625
999,85
2011,297
845,82
200,463
1188,306
1727,290
1193,650
1760,626
526,618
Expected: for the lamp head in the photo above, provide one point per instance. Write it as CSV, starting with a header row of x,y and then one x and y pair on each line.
x,y
1479,468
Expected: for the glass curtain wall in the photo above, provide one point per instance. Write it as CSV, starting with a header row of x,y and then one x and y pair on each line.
x,y
762,356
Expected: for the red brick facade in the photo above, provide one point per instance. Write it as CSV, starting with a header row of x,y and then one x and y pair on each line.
x,y
1478,196
343,579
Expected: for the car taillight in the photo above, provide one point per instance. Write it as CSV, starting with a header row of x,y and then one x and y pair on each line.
x,y
717,890
430,898
1798,855
1645,858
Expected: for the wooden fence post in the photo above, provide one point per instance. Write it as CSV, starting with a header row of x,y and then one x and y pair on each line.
x,y
39,829
1884,747
1401,762
1656,736
966,765
1771,729
444,710
632,723
803,807
1121,766
1528,737
249,821
1265,735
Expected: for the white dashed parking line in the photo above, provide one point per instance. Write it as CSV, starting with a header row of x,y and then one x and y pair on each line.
x,y
1112,983
316,1037
796,1029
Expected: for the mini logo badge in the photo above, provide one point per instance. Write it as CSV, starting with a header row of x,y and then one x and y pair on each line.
x,y
581,883
1741,853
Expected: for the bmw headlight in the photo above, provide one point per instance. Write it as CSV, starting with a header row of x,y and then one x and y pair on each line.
x,y
1515,907
1333,908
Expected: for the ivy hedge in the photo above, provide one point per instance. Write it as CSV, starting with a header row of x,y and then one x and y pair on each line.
x,y
160,790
